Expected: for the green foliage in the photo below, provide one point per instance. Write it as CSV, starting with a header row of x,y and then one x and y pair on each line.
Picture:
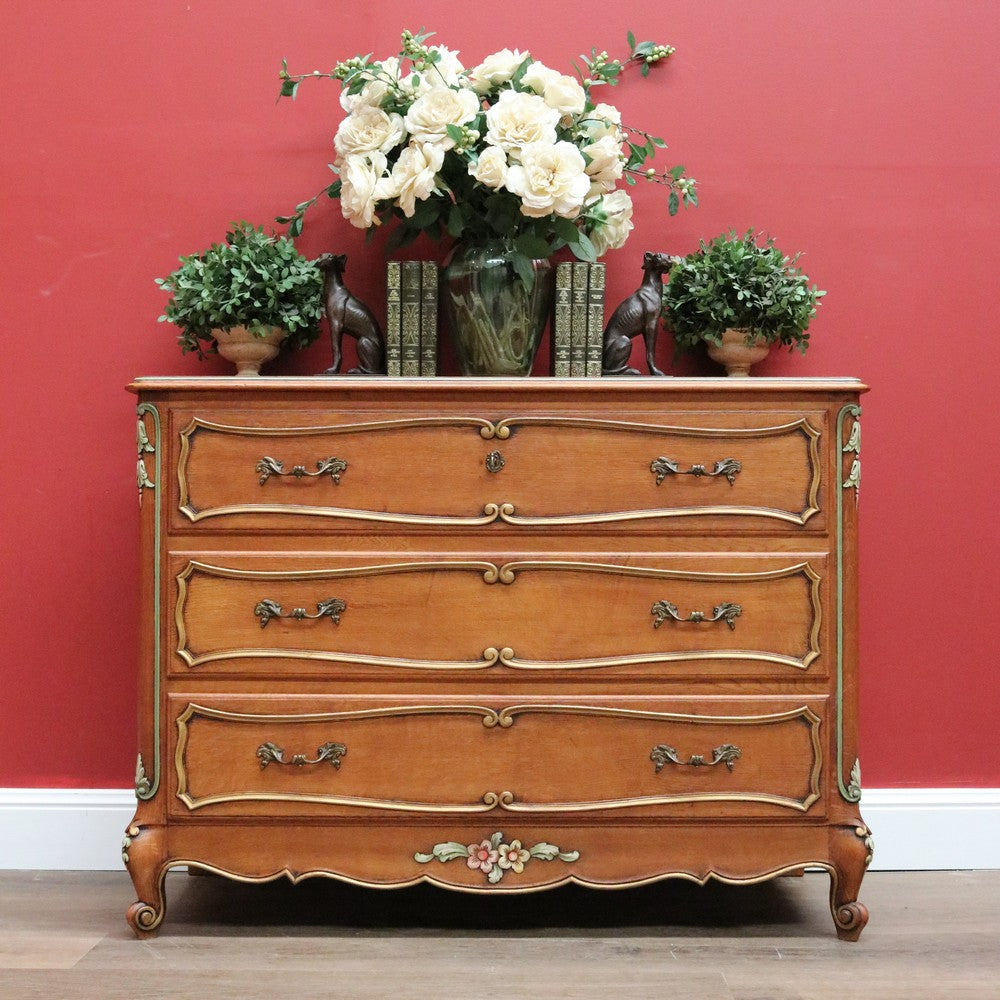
x,y
734,282
252,280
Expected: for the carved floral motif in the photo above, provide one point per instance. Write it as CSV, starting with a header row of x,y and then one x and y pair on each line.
x,y
494,857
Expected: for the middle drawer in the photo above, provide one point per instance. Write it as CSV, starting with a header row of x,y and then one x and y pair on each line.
x,y
399,618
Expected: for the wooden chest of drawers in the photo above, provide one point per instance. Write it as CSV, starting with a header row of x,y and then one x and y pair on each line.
x,y
498,635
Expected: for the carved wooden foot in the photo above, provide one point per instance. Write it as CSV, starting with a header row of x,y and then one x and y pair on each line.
x,y
851,849
145,859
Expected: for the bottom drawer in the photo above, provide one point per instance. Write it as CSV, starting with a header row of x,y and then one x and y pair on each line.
x,y
355,756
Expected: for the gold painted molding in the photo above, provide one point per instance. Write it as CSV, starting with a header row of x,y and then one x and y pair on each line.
x,y
498,720
505,511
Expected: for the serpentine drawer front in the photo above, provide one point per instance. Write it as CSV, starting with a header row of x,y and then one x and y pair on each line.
x,y
283,616
498,635
406,469
271,757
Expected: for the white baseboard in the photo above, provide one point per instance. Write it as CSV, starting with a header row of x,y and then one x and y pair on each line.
x,y
914,828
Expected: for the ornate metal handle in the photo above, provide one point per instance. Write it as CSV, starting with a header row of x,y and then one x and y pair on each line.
x,y
725,611
331,467
494,461
268,609
271,753
663,467
727,754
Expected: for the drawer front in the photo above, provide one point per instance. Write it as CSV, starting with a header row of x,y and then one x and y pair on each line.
x,y
288,615
368,756
760,469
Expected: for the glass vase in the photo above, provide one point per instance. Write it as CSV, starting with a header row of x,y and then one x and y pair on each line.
x,y
494,321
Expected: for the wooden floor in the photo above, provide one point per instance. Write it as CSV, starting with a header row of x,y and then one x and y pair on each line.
x,y
935,934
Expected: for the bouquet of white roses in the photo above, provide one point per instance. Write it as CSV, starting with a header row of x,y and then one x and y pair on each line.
x,y
508,148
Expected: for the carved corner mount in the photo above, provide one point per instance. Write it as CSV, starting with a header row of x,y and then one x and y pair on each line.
x,y
853,790
143,786
863,831
130,834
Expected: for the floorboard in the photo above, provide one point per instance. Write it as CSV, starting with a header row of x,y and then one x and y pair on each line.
x,y
931,935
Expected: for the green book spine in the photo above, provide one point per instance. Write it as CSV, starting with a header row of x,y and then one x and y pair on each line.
x,y
595,321
428,318
393,320
562,320
410,307
578,335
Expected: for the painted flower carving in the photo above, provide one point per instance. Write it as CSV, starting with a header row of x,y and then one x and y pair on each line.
x,y
483,856
495,857
513,856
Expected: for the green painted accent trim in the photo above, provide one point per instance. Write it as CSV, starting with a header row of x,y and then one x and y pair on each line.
x,y
852,792
146,786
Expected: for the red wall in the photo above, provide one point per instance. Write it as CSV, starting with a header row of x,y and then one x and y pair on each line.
x,y
864,133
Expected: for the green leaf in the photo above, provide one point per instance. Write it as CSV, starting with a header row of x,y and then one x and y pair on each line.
x,y
631,41
525,270
455,222
532,246
454,133
584,249
673,203
644,69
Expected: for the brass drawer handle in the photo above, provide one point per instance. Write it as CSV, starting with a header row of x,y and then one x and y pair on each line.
x,y
268,609
726,754
331,466
726,611
271,753
663,467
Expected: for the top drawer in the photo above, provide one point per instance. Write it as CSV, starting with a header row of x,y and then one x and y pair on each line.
x,y
243,469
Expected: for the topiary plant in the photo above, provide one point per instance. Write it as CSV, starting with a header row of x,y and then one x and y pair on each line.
x,y
252,280
733,282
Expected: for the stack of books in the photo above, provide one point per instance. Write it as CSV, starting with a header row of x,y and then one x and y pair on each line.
x,y
411,344
578,323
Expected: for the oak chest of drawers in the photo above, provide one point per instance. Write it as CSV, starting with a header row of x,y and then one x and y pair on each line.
x,y
498,635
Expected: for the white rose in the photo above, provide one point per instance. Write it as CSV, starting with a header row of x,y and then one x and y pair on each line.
x,y
447,71
362,184
519,119
496,69
491,169
380,77
413,175
437,108
565,94
537,76
613,232
550,179
367,130
606,164
603,120
448,68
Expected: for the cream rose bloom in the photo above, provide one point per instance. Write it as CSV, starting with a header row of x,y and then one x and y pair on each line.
x,y
603,120
491,168
437,108
537,76
565,94
368,130
517,120
612,234
496,69
379,76
363,182
413,175
550,179
606,164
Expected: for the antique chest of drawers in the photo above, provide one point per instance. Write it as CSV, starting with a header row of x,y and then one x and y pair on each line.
x,y
498,635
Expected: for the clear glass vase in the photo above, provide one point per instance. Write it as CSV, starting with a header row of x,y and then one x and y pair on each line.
x,y
494,322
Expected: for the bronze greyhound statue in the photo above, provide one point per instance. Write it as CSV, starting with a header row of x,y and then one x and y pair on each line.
x,y
639,313
346,314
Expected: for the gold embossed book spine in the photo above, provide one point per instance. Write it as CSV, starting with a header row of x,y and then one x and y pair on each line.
x,y
381,617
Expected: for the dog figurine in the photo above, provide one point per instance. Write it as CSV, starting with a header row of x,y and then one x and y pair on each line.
x,y
639,313
346,314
